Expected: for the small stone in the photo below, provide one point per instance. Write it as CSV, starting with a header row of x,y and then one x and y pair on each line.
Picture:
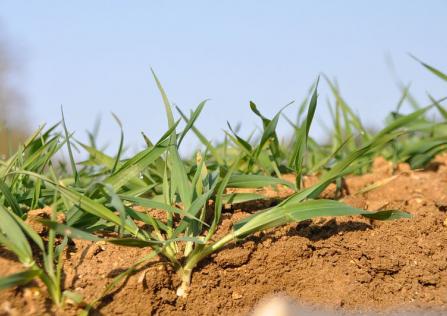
x,y
69,301
403,167
36,292
182,291
142,277
236,296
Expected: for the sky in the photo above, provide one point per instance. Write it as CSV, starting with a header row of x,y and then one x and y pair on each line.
x,y
94,58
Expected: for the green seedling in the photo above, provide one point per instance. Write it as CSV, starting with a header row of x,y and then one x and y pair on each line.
x,y
19,238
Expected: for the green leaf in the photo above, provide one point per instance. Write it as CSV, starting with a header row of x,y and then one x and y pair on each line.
x,y
179,177
70,152
440,108
73,296
239,140
131,242
120,146
234,198
20,278
190,122
71,232
255,181
204,140
165,102
13,238
269,131
433,70
301,137
157,205
118,205
84,202
10,199
98,157
218,201
294,212
132,168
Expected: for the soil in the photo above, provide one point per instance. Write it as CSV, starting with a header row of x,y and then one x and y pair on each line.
x,y
344,264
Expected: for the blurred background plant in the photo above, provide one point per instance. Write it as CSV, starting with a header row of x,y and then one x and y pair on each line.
x,y
13,129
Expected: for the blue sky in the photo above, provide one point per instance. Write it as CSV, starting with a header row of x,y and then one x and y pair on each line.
x,y
94,57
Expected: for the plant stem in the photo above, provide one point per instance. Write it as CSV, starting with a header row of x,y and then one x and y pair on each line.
x,y
186,271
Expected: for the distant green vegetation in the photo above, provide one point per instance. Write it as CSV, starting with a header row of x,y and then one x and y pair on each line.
x,y
100,194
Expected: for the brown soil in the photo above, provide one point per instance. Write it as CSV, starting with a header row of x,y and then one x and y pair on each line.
x,y
348,264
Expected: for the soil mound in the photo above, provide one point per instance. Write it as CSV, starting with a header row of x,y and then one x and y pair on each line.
x,y
348,264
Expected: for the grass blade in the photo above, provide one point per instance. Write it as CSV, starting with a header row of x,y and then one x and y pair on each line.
x,y
20,278
70,152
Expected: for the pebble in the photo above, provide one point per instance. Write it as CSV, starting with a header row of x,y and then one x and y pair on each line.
x,y
236,296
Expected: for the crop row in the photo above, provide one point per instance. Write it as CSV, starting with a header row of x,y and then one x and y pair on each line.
x,y
110,198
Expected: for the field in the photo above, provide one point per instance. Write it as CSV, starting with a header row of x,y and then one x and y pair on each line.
x,y
355,224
